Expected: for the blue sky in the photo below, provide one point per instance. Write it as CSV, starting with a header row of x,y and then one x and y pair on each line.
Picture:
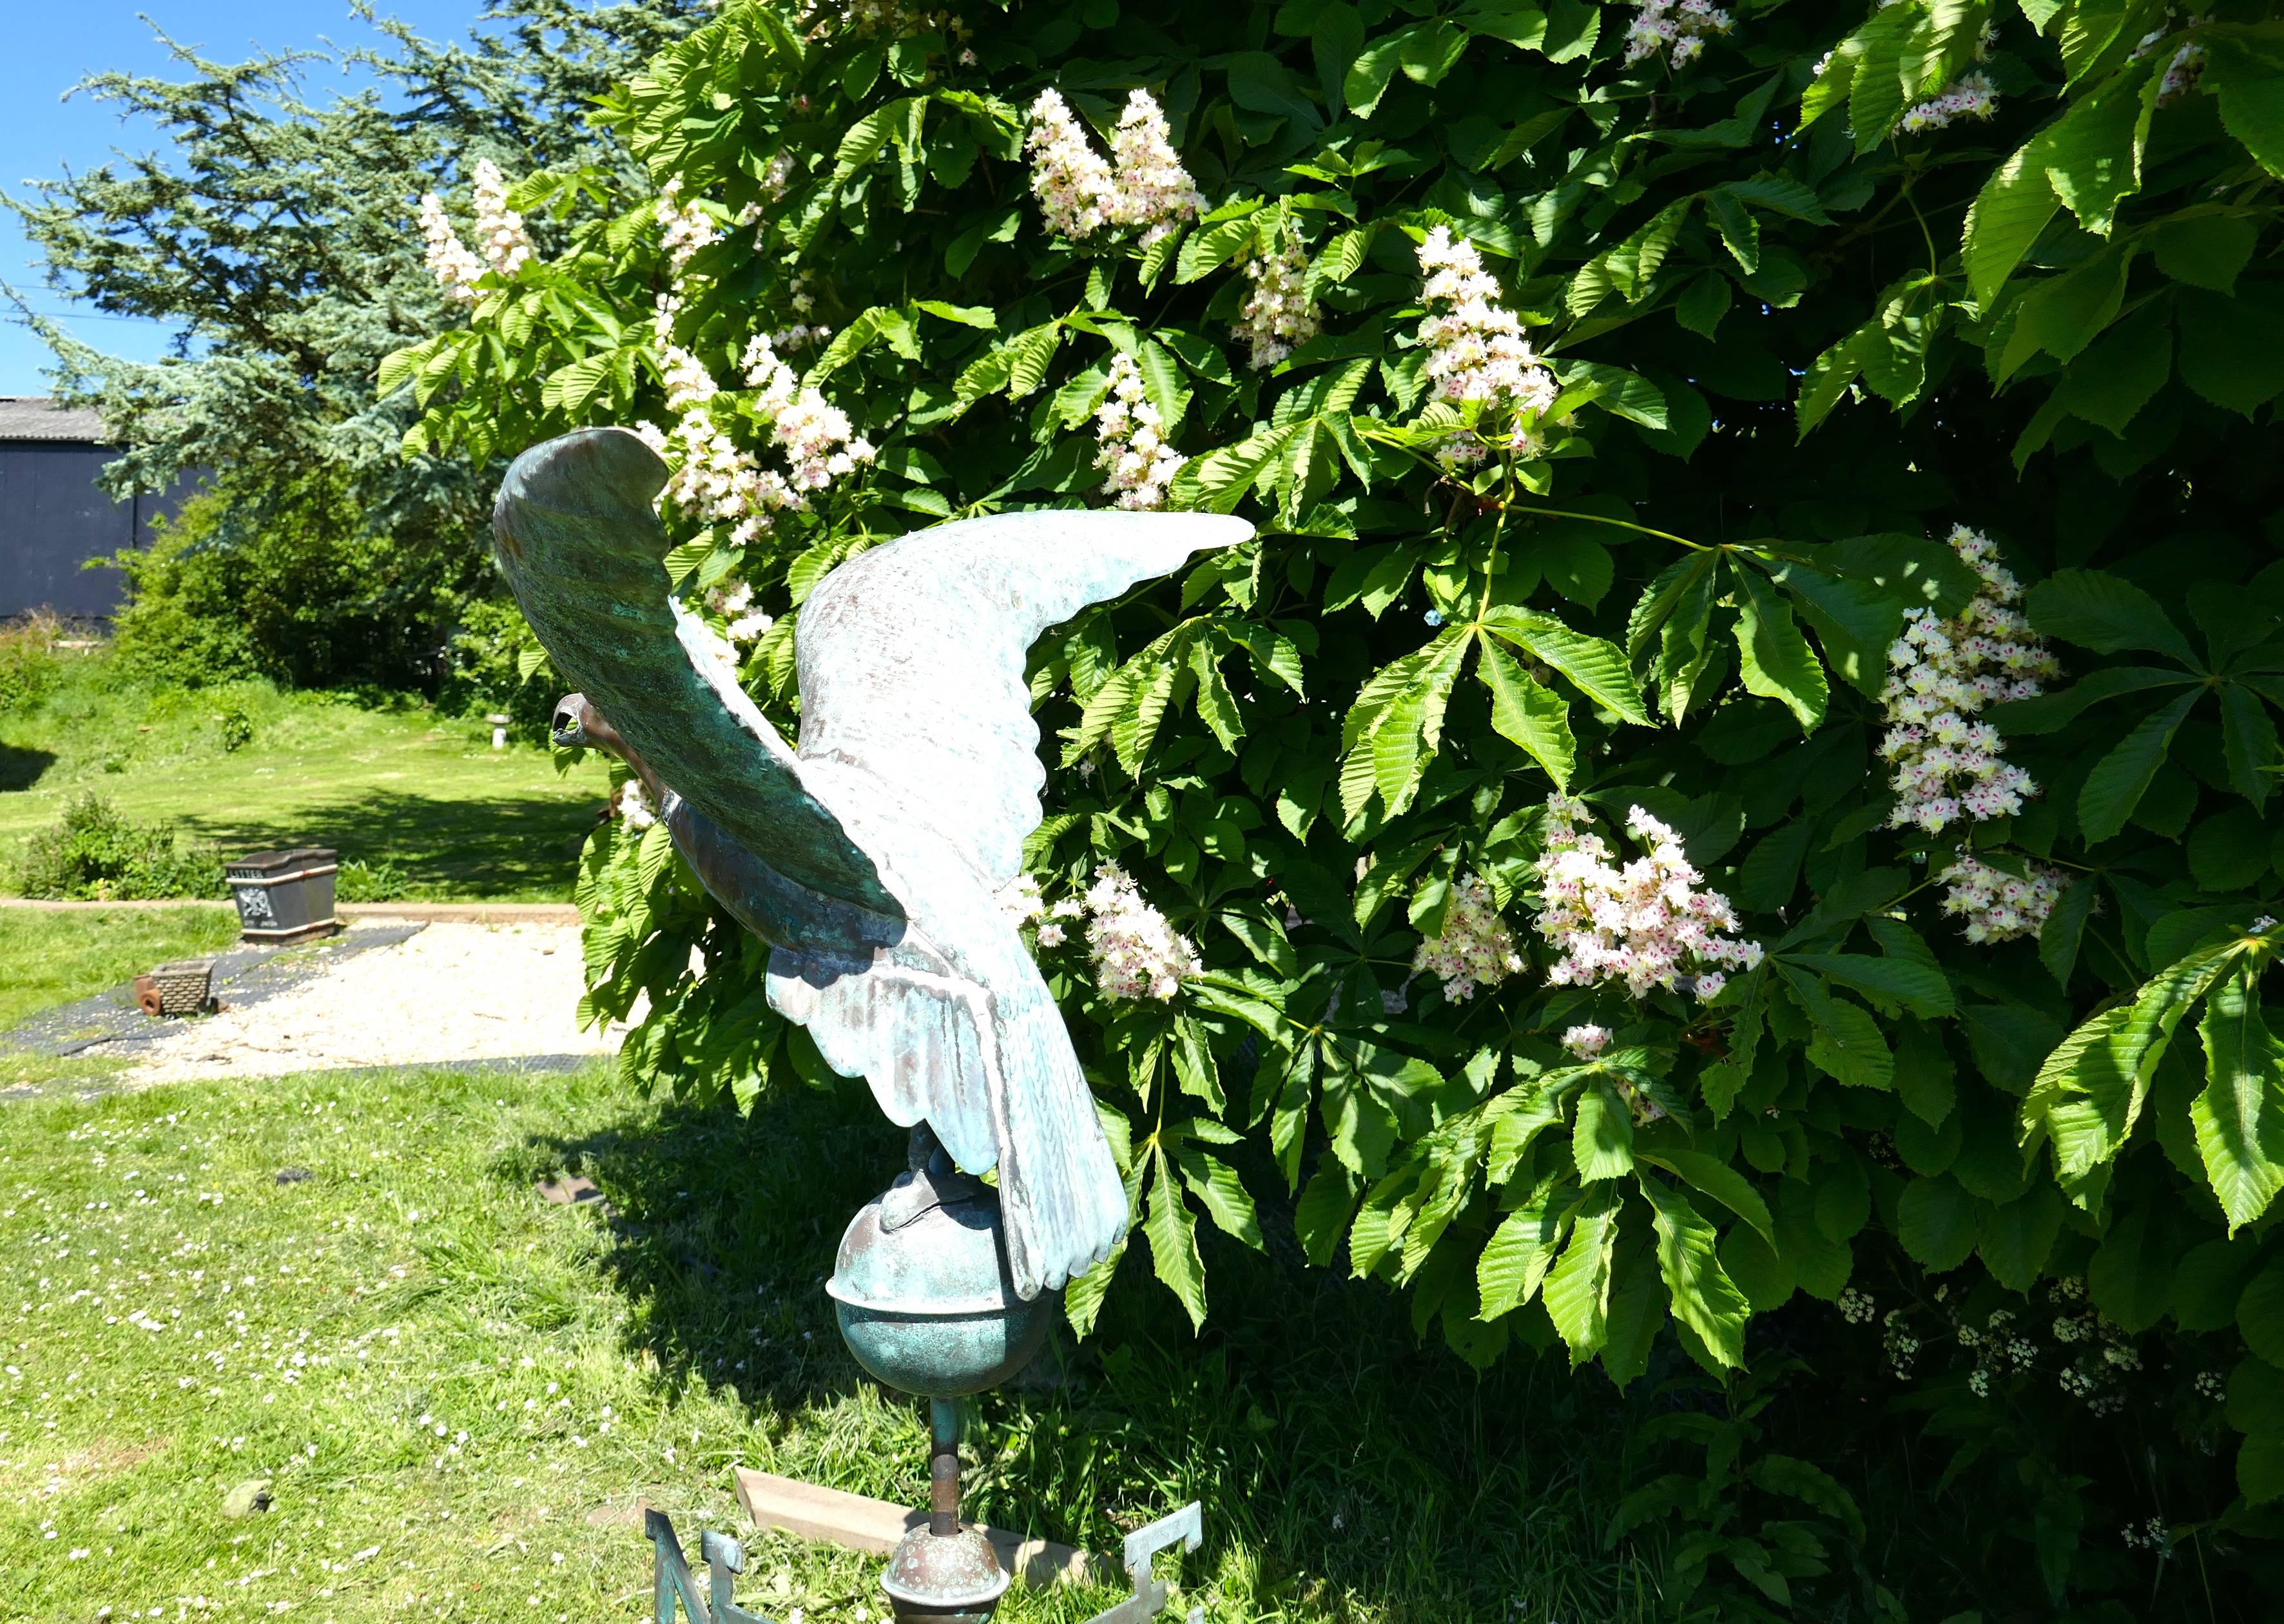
x,y
50,46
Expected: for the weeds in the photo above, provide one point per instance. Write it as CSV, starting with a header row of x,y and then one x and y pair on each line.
x,y
92,854
30,667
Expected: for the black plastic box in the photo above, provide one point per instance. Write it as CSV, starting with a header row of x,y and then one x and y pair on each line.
x,y
284,897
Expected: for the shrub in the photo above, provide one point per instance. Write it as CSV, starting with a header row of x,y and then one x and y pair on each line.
x,y
494,666
92,854
30,669
1507,330
234,726
308,594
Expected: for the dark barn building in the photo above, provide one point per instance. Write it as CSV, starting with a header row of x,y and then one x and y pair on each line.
x,y
54,517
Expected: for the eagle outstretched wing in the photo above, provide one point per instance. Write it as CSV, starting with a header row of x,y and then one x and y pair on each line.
x,y
916,724
912,655
582,547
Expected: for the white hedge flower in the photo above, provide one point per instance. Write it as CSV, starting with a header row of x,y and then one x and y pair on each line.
x,y
1073,183
1137,953
1945,765
1130,436
1998,906
1651,924
1678,29
506,245
456,271
1585,1042
1474,948
1080,192
1280,316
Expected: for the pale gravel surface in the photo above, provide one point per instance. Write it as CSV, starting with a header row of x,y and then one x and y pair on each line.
x,y
452,993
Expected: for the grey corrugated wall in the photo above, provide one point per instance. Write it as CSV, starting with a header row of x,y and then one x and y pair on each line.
x,y
53,516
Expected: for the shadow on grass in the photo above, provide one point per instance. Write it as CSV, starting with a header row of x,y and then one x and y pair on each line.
x,y
22,769
1337,1457
492,847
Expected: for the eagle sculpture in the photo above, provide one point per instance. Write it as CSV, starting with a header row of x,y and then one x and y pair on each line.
x,y
871,858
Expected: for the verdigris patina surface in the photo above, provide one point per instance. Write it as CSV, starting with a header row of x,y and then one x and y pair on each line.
x,y
872,858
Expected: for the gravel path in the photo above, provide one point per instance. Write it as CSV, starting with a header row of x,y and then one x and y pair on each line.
x,y
453,992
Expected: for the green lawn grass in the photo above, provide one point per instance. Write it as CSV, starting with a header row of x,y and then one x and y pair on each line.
x,y
397,783
54,958
458,1393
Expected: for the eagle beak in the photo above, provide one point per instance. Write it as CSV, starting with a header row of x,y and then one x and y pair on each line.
x,y
568,729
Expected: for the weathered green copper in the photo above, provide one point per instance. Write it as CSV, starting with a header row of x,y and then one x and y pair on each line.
x,y
922,1289
872,854
674,1590
873,859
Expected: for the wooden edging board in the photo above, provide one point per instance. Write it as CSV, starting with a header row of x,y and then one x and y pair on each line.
x,y
430,913
859,1523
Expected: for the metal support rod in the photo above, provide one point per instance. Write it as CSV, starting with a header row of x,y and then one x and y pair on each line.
x,y
943,1467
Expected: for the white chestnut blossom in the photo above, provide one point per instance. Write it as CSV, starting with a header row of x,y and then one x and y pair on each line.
x,y
1475,348
1650,923
456,270
1080,192
507,246
1970,96
1475,948
716,647
1137,953
800,335
1154,191
2181,75
819,442
1998,906
1073,183
1585,1042
745,625
1130,436
688,226
714,478
1021,902
1280,316
1944,764
1025,909
1678,27
635,809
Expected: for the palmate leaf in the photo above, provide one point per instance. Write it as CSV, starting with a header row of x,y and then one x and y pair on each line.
x,y
2244,68
2118,781
2248,744
2088,1094
1526,712
1602,1136
1775,659
1703,1296
1711,1176
1855,621
1172,1234
1671,630
1577,1291
1844,1043
1084,1297
2105,613
1514,1262
1222,1194
1403,700
1918,985
2239,1115
2050,712
1598,669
